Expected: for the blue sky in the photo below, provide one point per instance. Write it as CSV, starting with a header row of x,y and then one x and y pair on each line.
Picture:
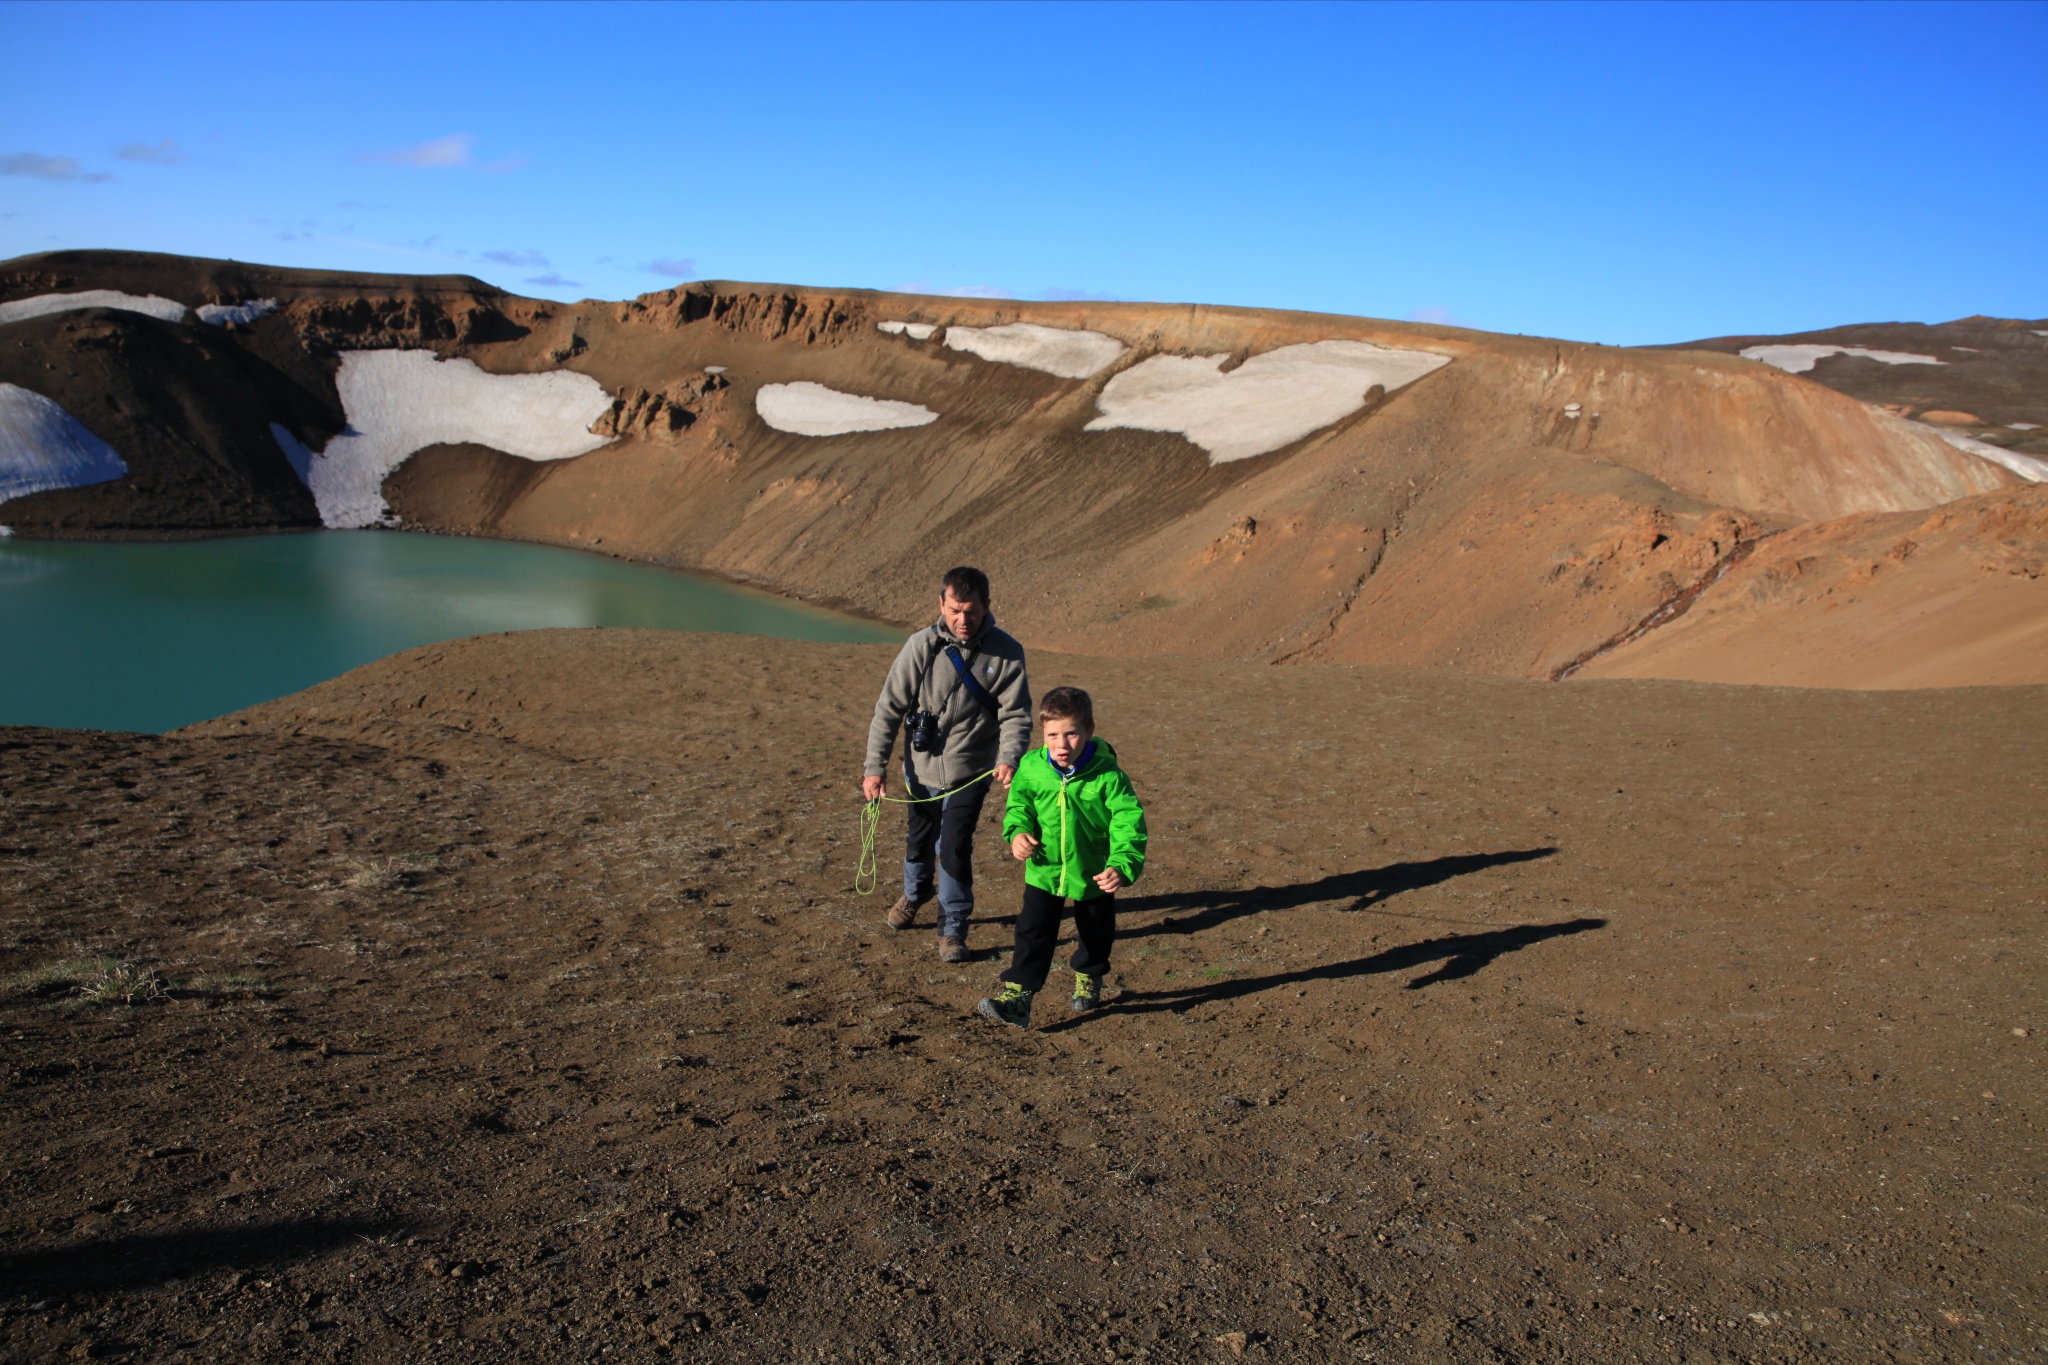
x,y
1617,173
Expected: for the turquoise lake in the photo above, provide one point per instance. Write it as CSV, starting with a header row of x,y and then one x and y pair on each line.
x,y
129,636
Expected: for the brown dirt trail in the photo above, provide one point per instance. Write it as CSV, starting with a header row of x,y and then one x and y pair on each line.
x,y
1459,1019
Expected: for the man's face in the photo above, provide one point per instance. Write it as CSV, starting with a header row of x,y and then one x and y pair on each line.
x,y
963,617
1065,738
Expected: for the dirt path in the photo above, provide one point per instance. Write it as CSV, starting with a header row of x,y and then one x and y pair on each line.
x,y
518,1009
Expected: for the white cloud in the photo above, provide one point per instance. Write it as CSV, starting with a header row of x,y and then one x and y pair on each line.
x,y
530,260
161,153
676,267
39,167
554,280
440,153
958,291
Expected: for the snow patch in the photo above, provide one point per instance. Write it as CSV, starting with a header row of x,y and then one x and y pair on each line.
x,y
1800,359
402,401
1269,401
44,447
220,314
294,451
1065,351
170,310
2026,466
807,409
916,331
2022,426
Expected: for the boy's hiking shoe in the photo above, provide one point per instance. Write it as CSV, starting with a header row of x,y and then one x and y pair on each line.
x,y
903,913
1087,992
1011,1006
953,948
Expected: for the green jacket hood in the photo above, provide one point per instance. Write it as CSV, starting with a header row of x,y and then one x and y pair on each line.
x,y
1085,822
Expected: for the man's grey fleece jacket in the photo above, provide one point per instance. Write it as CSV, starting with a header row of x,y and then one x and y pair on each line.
x,y
922,678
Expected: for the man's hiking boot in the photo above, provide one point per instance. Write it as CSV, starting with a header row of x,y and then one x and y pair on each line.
x,y
1011,1006
953,948
903,913
1087,993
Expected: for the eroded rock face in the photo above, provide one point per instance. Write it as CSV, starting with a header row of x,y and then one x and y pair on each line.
x,y
661,416
1508,505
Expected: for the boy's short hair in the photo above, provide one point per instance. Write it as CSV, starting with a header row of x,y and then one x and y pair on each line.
x,y
1067,703
965,582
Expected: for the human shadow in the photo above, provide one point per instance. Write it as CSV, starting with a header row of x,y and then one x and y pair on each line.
x,y
1365,889
134,1260
1461,955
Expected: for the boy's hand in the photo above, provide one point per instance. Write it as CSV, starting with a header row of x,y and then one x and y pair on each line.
x,y
871,788
1005,774
1023,846
1110,880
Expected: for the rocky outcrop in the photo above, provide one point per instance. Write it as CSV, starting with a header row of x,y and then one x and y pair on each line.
x,y
662,416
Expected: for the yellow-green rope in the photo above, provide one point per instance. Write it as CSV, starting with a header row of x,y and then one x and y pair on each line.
x,y
866,871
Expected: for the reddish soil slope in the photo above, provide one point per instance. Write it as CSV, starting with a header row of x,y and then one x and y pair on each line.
x,y
1521,510
515,1007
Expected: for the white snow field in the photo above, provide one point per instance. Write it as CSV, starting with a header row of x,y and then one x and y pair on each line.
x,y
1269,401
1800,359
220,314
294,451
2026,466
170,310
44,447
807,409
916,331
398,402
1065,351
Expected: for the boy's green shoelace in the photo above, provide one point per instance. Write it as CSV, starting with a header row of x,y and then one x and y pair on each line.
x,y
866,871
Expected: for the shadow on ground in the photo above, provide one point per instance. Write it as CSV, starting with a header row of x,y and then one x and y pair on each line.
x,y
150,1258
1365,889
1461,955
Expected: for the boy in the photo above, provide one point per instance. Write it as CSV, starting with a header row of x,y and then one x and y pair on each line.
x,y
1075,823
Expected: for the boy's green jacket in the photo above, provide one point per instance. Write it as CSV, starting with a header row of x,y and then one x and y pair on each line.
x,y
1084,823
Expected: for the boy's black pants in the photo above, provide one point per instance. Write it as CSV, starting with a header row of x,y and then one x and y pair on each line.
x,y
1038,933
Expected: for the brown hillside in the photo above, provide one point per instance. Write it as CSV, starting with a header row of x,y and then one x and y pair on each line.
x,y
1521,509
512,1006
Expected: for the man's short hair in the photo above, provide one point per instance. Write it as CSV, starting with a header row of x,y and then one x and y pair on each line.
x,y
963,583
1067,703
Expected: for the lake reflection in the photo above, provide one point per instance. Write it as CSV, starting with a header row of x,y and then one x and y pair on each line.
x,y
121,636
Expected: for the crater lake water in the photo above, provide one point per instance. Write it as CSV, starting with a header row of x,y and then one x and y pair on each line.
x,y
150,636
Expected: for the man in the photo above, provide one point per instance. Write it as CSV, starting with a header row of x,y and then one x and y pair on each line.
x,y
958,691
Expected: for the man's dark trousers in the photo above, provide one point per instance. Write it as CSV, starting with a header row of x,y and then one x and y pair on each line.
x,y
1038,933
947,828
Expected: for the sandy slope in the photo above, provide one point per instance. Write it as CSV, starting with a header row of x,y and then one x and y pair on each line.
x,y
1461,1019
1518,510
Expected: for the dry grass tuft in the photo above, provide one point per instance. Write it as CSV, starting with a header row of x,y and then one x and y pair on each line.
x,y
91,981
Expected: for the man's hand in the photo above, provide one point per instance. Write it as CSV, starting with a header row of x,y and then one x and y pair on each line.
x,y
1110,880
1005,774
1023,846
871,788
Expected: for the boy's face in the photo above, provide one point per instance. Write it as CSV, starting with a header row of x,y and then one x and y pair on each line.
x,y
1065,738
